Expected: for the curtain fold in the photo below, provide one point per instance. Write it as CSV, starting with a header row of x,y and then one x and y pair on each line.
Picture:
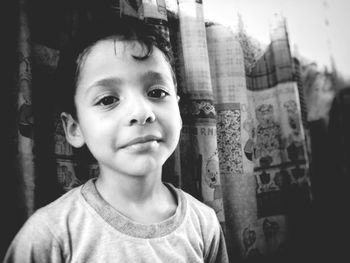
x,y
242,148
25,118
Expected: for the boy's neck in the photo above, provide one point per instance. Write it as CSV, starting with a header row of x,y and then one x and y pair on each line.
x,y
144,199
132,188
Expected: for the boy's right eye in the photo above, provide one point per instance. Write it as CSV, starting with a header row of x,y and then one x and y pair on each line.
x,y
107,101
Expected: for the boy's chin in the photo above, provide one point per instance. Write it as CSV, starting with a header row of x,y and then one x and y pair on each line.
x,y
143,166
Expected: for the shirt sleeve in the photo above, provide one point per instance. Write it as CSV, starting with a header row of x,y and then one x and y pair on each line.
x,y
34,243
217,250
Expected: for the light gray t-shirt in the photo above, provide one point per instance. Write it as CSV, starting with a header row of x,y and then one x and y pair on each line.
x,y
81,226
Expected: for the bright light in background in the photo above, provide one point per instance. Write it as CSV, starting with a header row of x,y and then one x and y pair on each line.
x,y
306,22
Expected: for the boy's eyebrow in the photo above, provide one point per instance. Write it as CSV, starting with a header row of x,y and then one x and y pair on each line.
x,y
155,77
107,82
149,76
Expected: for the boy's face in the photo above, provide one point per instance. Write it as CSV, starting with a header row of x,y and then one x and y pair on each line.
x,y
127,109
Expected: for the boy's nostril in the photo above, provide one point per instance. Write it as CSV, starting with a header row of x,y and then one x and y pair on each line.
x,y
142,120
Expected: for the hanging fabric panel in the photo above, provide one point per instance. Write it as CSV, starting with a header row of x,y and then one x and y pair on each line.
x,y
234,128
199,140
280,156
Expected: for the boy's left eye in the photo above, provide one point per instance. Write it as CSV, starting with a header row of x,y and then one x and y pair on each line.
x,y
157,93
107,101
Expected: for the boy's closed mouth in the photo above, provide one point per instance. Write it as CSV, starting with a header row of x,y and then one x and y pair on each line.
x,y
142,139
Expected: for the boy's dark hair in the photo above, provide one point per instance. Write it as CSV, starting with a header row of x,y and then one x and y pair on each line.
x,y
123,28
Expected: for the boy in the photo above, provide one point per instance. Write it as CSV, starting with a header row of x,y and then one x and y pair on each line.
x,y
119,99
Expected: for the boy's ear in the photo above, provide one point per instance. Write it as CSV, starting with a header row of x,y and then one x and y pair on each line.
x,y
72,130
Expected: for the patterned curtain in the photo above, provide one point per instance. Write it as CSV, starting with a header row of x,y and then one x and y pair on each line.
x,y
280,152
242,149
234,131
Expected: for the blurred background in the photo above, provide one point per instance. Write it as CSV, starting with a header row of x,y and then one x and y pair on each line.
x,y
317,28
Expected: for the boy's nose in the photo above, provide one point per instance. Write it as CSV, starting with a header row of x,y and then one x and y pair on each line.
x,y
141,113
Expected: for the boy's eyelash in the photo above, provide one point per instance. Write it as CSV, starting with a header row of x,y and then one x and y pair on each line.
x,y
107,100
159,89
157,92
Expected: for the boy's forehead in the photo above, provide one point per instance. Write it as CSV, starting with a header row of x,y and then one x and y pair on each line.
x,y
122,49
113,45
125,52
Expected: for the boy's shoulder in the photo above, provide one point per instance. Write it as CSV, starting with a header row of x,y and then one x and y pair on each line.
x,y
52,219
201,219
70,202
197,207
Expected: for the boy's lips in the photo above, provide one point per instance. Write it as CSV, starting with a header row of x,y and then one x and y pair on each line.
x,y
142,139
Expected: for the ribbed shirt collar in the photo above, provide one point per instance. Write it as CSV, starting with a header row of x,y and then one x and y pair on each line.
x,y
126,226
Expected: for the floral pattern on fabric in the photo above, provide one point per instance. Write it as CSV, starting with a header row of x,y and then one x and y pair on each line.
x,y
268,134
229,135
